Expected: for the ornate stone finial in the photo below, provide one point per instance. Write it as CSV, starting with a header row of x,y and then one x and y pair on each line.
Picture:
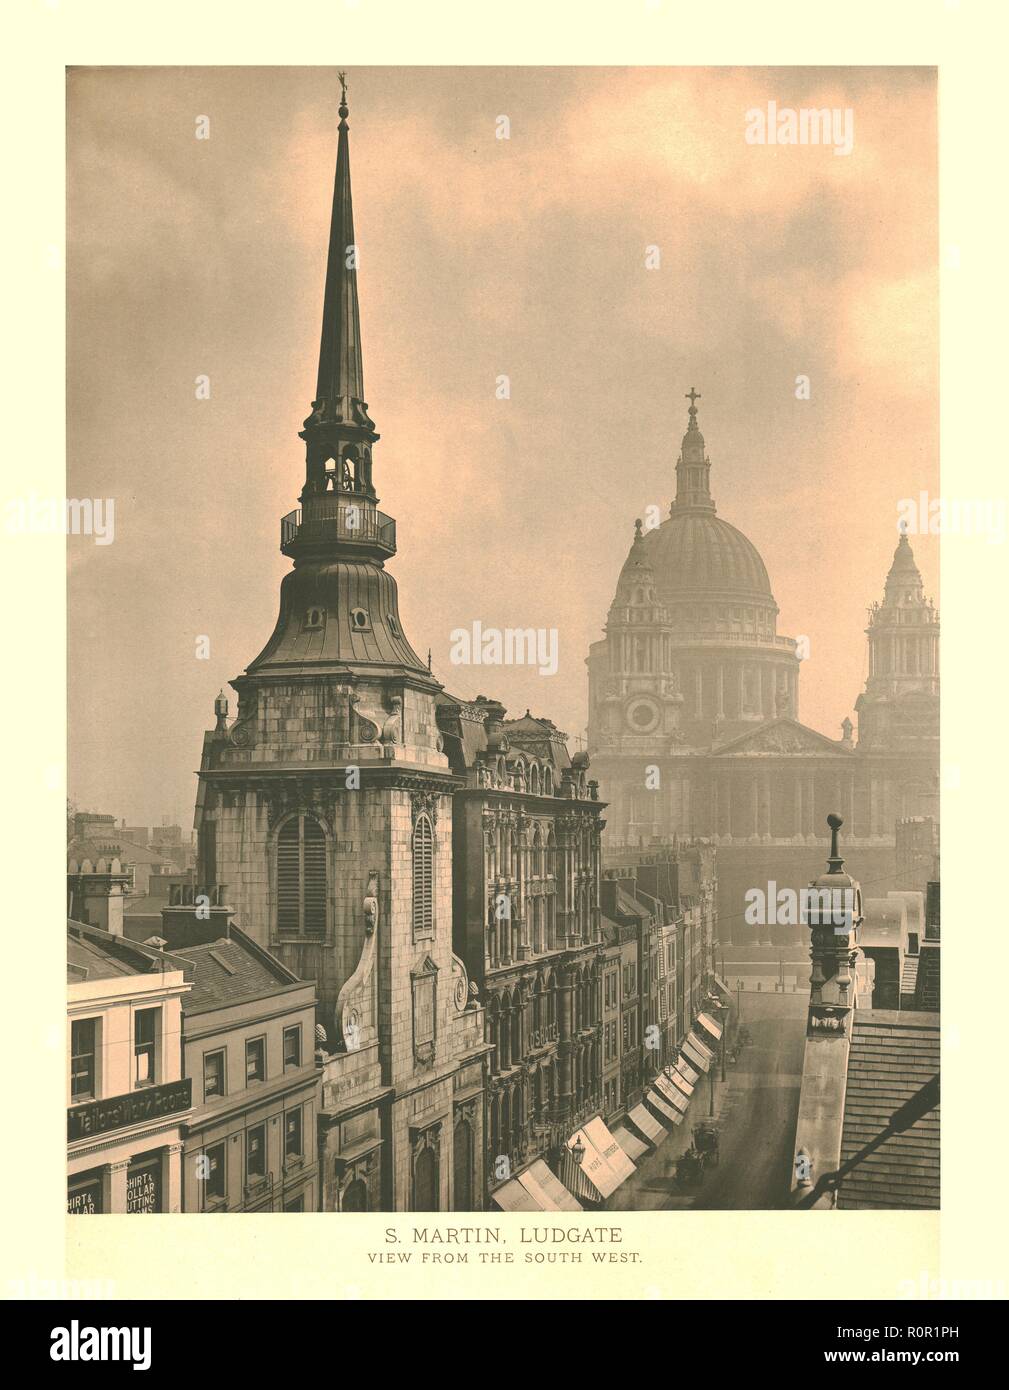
x,y
692,396
344,110
221,711
637,529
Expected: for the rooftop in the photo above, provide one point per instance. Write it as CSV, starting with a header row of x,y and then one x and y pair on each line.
x,y
893,1055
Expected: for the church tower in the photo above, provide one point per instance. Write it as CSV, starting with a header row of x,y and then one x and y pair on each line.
x,y
326,806
899,710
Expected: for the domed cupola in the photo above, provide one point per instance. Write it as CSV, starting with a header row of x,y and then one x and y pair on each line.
x,y
635,599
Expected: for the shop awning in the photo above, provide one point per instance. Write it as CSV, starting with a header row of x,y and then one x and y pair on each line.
x,y
675,1098
594,1165
694,1054
605,1144
514,1197
643,1119
575,1180
546,1188
721,986
632,1146
704,1048
686,1071
666,1111
710,1026
681,1083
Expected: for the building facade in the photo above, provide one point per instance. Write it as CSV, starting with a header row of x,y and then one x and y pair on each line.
x,y
248,1040
326,806
128,1100
526,832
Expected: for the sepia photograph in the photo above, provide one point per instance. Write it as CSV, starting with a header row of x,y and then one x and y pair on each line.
x,y
572,840
474,619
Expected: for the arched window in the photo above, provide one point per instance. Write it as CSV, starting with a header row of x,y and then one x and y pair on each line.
x,y
355,1198
462,1167
301,878
425,1180
423,876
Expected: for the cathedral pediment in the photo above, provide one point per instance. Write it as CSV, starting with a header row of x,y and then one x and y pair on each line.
x,y
781,736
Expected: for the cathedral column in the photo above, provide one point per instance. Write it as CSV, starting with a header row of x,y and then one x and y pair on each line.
x,y
698,691
720,698
765,809
755,805
798,804
739,693
810,801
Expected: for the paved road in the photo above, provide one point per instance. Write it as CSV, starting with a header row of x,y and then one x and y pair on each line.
x,y
758,1114
756,1111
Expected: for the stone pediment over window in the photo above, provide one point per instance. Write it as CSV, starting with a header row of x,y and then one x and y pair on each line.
x,y
782,736
424,991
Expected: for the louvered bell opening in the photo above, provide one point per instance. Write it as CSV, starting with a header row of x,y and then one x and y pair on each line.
x,y
289,878
301,878
423,876
314,878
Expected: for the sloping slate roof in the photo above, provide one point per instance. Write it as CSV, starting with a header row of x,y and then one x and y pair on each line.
x,y
213,987
99,964
892,1056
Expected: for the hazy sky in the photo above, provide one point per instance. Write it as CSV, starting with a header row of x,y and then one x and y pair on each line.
x,y
481,257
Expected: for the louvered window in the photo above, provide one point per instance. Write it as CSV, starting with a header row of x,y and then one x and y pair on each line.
x,y
423,877
301,878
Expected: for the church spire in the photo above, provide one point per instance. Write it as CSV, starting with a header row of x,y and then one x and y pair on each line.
x,y
693,465
339,433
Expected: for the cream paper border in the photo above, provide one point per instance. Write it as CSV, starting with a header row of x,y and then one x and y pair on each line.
x,y
701,1255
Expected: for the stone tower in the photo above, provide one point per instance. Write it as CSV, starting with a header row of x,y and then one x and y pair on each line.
x,y
899,709
326,806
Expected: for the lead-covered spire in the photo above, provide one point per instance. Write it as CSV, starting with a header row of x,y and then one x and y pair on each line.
x,y
339,432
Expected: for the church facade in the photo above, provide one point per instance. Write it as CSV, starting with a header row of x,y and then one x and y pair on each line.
x,y
694,723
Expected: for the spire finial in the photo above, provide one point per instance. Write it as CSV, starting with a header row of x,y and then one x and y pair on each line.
x,y
637,529
692,396
344,110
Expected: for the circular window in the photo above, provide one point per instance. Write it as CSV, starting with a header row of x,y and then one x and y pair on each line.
x,y
359,619
643,716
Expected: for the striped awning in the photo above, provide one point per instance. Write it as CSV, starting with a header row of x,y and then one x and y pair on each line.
x,y
673,1096
685,1087
574,1179
665,1110
632,1146
684,1068
694,1054
643,1119
710,1026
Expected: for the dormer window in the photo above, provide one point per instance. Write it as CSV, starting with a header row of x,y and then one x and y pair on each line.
x,y
360,620
315,618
